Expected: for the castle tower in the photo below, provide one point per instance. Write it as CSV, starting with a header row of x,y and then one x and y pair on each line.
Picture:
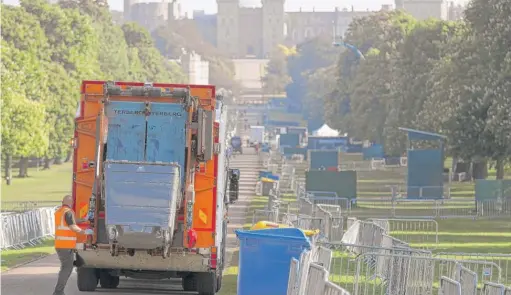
x,y
273,25
424,9
127,9
227,33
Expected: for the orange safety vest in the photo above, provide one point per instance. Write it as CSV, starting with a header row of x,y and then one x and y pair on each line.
x,y
65,238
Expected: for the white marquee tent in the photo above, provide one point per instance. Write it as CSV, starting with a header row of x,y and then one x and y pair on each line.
x,y
325,131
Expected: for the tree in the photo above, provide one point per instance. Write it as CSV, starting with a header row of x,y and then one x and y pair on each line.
x,y
311,55
415,59
360,104
446,77
72,39
489,22
24,129
276,78
182,36
155,66
319,86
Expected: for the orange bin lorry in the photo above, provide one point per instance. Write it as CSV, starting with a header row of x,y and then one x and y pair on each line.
x,y
149,175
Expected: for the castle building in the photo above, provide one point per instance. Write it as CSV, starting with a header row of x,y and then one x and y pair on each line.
x,y
151,15
423,9
243,31
249,31
254,28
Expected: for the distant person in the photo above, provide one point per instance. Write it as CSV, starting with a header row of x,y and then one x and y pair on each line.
x,y
65,241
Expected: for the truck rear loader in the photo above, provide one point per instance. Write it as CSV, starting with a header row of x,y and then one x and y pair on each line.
x,y
150,176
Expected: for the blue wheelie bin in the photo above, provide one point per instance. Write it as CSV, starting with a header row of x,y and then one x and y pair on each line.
x,y
265,258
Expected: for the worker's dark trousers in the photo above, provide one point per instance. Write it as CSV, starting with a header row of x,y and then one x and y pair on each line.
x,y
66,257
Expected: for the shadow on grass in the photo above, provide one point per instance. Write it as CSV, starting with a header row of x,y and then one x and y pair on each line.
x,y
14,258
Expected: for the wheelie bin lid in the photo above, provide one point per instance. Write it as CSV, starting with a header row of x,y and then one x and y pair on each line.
x,y
289,233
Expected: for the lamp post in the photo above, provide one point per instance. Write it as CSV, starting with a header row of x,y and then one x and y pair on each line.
x,y
350,47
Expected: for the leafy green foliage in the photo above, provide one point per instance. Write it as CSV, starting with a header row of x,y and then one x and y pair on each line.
x,y
446,77
312,55
276,77
183,36
24,130
47,50
452,78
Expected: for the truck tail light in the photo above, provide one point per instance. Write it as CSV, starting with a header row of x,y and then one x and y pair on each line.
x,y
213,260
192,238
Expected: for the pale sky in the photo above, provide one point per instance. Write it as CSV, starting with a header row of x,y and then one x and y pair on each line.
x,y
291,5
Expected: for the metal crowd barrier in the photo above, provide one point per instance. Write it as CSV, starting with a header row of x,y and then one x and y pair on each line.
x,y
431,209
310,275
414,231
23,206
449,286
28,228
501,259
495,289
375,256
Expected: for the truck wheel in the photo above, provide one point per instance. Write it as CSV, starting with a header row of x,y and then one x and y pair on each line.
x,y
206,283
108,281
87,279
189,283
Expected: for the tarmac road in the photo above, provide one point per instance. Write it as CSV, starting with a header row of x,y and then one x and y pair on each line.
x,y
39,278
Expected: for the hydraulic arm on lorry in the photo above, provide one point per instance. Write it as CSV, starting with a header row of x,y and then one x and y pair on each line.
x,y
148,166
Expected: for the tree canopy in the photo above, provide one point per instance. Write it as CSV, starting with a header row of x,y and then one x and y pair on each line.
x,y
452,78
179,36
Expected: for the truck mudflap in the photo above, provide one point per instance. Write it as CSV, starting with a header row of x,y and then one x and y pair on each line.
x,y
141,260
141,203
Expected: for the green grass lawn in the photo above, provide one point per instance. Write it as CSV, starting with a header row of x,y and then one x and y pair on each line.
x,y
43,185
13,258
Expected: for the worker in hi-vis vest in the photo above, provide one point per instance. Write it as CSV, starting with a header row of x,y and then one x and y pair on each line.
x,y
65,241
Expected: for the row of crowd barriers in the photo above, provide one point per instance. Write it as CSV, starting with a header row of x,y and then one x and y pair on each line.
x,y
330,214
28,228
405,208
356,269
23,206
370,261
371,165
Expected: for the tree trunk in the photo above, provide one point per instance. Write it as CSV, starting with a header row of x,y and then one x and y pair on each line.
x,y
68,156
500,169
47,163
23,171
58,161
453,167
8,169
480,169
